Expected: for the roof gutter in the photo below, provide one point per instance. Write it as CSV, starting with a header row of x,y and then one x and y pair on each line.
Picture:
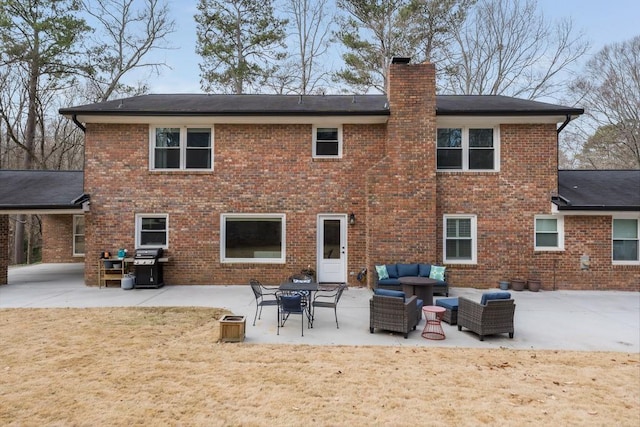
x,y
80,125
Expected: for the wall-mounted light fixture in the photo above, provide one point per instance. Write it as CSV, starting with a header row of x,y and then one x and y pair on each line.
x,y
352,218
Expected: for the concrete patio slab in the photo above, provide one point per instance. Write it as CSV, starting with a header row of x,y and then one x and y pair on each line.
x,y
552,320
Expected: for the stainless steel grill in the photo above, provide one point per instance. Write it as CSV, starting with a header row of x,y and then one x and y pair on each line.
x,y
148,268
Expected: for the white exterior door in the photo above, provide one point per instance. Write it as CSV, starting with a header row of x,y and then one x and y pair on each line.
x,y
332,248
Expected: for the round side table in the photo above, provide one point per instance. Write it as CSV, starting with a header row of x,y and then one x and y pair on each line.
x,y
433,328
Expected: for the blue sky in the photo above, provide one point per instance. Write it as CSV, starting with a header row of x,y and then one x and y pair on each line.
x,y
602,21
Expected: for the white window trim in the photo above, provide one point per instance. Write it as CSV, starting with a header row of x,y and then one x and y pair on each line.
x,y
315,140
75,253
474,239
223,227
183,148
560,224
465,146
617,262
139,229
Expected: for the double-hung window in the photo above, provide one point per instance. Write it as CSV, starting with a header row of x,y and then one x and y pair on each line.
x,y
549,233
181,148
625,243
252,238
78,235
327,142
460,239
467,148
152,231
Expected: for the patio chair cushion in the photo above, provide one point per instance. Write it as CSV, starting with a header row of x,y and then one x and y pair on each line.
x,y
448,303
424,270
407,270
487,296
437,272
392,270
389,293
382,272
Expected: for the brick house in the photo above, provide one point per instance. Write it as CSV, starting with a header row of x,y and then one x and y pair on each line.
x,y
260,186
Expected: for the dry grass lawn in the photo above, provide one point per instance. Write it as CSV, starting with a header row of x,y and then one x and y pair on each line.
x,y
164,366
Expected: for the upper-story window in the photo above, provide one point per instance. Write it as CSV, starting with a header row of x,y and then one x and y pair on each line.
x,y
327,142
626,241
468,148
181,148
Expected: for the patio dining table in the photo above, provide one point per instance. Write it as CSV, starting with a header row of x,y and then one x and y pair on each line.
x,y
309,287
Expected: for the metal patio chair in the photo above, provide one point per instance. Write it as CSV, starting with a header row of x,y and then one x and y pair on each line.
x,y
260,292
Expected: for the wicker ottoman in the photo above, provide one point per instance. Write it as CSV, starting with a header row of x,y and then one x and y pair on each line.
x,y
451,309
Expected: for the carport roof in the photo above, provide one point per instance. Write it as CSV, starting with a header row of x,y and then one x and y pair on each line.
x,y
39,190
598,190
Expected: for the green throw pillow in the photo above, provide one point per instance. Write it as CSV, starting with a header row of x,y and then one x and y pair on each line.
x,y
382,272
437,272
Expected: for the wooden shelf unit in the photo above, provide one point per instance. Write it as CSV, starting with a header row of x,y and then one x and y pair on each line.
x,y
111,274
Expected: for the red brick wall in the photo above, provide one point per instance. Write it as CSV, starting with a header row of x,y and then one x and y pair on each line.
x,y
401,179
4,248
258,169
57,237
506,204
387,178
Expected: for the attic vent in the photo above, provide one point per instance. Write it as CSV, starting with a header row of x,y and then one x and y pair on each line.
x,y
400,60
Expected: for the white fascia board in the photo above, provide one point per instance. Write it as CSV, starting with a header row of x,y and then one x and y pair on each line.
x,y
208,120
450,121
70,211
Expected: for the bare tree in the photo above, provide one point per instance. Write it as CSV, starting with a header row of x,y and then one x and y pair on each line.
x,y
310,22
124,38
508,48
609,90
40,38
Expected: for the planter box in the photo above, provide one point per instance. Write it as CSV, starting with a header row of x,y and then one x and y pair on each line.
x,y
232,328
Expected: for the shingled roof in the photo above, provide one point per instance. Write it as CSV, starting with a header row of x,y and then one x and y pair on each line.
x,y
598,190
310,105
32,190
237,105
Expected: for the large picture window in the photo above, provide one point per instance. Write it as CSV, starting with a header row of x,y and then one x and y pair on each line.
x,y
460,239
327,142
252,238
182,148
152,231
625,243
549,233
467,148
78,235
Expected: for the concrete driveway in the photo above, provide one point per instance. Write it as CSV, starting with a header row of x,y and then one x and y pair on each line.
x,y
545,320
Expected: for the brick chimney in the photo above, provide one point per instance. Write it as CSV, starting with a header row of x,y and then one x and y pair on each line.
x,y
401,187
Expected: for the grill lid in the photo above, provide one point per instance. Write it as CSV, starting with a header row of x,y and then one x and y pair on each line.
x,y
149,253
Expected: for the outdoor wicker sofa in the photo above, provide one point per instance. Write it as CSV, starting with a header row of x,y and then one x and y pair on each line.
x,y
491,316
393,314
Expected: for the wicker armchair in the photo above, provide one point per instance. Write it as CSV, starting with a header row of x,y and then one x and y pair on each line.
x,y
393,314
496,317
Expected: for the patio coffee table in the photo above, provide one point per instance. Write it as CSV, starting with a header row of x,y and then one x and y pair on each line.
x,y
422,287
